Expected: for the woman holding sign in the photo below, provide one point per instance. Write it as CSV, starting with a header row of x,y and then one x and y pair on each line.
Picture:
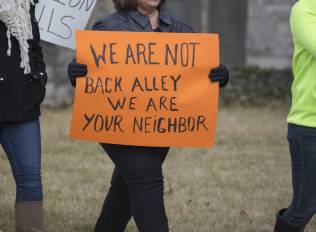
x,y
302,121
22,89
137,187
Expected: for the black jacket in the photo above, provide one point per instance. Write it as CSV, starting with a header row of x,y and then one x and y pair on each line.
x,y
135,21
21,95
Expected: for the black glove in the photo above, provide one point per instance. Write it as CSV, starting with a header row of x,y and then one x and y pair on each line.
x,y
220,75
76,70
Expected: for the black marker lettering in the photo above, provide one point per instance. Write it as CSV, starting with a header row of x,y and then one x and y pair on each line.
x,y
88,119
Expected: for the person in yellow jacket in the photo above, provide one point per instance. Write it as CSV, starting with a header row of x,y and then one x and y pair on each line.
x,y
302,120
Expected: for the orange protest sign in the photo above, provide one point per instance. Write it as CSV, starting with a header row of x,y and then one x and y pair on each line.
x,y
146,89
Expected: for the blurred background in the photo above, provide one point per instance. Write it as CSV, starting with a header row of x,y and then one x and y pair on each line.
x,y
239,185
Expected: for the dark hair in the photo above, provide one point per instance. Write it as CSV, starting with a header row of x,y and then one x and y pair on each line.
x,y
127,5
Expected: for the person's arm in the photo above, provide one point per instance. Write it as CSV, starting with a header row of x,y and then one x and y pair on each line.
x,y
303,26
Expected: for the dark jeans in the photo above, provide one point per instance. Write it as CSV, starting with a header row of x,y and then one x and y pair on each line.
x,y
22,144
302,141
137,189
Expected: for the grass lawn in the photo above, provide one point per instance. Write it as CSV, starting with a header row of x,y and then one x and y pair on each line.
x,y
236,187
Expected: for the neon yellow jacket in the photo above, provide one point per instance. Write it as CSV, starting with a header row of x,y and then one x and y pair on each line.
x,y
303,26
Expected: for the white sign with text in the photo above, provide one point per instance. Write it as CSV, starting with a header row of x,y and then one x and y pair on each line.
x,y
59,19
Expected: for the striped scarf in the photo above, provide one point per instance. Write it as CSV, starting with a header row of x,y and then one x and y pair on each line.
x,y
15,14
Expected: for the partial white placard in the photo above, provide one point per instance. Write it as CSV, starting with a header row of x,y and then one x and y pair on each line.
x,y
59,19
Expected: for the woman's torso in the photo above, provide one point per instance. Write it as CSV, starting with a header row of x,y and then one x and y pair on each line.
x,y
303,110
20,95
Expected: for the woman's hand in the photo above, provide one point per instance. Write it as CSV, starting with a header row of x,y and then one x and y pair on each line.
x,y
76,70
220,75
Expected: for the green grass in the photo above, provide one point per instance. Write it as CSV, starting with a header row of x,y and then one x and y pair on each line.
x,y
236,187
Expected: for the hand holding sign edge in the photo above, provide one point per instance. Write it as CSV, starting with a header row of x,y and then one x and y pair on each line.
x,y
220,74
76,70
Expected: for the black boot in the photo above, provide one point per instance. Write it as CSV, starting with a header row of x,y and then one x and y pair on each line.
x,y
282,226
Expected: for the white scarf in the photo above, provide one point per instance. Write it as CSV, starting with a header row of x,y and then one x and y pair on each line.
x,y
15,14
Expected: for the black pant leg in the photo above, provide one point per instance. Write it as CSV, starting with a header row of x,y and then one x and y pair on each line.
x,y
141,168
302,142
116,212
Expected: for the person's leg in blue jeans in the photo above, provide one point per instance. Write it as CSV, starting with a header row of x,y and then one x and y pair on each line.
x,y
22,144
140,168
302,142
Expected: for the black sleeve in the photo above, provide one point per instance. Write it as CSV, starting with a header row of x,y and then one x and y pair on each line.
x,y
35,51
186,28
100,26
181,27
35,28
